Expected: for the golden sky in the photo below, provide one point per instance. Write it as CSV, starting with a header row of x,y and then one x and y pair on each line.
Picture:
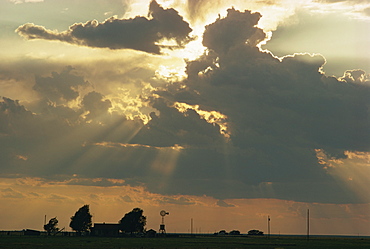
x,y
224,112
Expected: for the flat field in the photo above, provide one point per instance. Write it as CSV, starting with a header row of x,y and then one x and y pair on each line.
x,y
40,242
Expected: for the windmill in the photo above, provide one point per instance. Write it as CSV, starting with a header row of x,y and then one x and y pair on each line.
x,y
162,228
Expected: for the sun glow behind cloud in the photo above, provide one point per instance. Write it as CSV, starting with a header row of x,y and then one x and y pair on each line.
x,y
195,48
199,14
212,117
353,170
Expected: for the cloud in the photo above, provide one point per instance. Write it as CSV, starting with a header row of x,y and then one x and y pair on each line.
x,y
176,201
126,198
197,8
95,182
348,1
366,11
278,111
237,28
137,33
30,135
11,111
56,197
222,203
59,87
11,193
25,1
243,124
97,107
356,76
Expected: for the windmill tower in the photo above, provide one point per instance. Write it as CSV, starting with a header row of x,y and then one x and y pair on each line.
x,y
162,227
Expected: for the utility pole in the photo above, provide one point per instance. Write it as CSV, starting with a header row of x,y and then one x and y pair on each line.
x,y
191,226
308,224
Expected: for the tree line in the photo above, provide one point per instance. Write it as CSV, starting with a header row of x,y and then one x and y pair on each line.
x,y
132,222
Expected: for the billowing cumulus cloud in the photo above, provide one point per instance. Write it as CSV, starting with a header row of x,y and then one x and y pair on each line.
x,y
237,28
243,124
356,76
278,111
139,33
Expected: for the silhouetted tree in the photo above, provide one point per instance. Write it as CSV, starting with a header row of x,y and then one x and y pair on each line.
x,y
235,232
51,227
133,222
255,232
81,221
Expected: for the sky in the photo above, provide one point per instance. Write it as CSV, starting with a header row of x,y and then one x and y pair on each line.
x,y
221,112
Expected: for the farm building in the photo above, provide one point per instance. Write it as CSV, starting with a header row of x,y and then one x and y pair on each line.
x,y
105,229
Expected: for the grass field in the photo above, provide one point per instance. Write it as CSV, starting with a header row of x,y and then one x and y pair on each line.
x,y
18,242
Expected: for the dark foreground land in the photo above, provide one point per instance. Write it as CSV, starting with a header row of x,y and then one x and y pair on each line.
x,y
17,242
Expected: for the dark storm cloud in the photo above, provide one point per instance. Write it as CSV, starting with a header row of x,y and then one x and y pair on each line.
x,y
32,31
172,127
21,131
356,76
97,107
59,87
278,112
233,30
15,119
47,145
139,33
